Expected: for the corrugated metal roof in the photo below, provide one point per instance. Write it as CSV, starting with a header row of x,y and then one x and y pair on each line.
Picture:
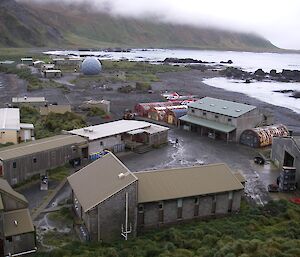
x,y
36,146
99,180
9,118
110,129
179,112
26,126
185,182
17,222
223,107
26,99
240,177
153,129
52,71
5,188
207,123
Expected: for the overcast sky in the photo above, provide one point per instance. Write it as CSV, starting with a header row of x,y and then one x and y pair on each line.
x,y
276,20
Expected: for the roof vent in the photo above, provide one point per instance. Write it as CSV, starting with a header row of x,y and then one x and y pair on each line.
x,y
237,110
121,175
200,102
225,107
212,104
25,97
88,130
16,223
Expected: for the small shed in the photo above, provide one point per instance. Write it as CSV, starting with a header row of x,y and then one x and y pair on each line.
x,y
142,109
262,136
27,61
52,73
38,64
45,110
47,66
172,115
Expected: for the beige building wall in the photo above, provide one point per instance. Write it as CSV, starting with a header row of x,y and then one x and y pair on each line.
x,y
8,136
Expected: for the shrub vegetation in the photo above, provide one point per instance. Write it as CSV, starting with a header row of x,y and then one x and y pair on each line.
x,y
52,124
269,231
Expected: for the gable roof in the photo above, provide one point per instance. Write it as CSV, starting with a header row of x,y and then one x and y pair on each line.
x,y
297,140
36,146
110,129
10,118
185,182
17,222
224,107
7,189
99,180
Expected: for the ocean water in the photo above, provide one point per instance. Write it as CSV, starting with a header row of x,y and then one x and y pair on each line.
x,y
248,61
263,91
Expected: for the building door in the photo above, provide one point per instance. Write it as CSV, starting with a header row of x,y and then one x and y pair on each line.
x,y
85,152
1,248
170,119
288,160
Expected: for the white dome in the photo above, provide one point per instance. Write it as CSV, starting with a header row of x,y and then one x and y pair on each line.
x,y
91,66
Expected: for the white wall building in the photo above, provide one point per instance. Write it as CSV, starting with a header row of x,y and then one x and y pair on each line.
x,y
11,130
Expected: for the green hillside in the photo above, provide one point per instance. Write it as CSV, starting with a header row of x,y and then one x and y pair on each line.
x,y
60,25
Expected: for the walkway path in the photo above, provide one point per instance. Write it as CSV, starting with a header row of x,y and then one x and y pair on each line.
x,y
40,209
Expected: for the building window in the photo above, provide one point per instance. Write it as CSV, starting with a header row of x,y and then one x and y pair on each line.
x,y
160,205
216,116
204,113
179,208
229,119
196,207
34,159
141,208
141,218
101,143
14,165
193,111
230,201
160,212
214,204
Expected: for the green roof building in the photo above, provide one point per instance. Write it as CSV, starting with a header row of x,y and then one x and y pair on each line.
x,y
217,118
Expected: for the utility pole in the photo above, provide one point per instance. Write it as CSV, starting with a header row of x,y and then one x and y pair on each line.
x,y
126,231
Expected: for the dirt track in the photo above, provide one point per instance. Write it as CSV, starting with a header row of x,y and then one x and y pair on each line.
x,y
187,82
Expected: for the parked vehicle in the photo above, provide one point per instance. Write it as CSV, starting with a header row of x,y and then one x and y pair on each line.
x,y
259,160
44,183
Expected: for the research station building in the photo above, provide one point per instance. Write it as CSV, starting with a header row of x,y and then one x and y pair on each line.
x,y
11,129
116,135
220,119
286,153
20,162
112,202
17,233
